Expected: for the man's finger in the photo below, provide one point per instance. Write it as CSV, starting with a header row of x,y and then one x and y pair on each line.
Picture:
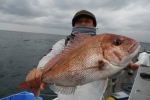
x,y
30,79
42,86
38,76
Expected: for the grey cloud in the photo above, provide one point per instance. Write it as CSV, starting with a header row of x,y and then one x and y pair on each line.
x,y
117,16
140,22
26,8
28,11
94,5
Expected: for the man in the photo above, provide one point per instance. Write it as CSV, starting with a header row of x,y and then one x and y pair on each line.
x,y
82,22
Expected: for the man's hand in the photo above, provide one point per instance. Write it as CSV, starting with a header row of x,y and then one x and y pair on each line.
x,y
33,78
132,66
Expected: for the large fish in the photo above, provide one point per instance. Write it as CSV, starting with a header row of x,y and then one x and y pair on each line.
x,y
86,59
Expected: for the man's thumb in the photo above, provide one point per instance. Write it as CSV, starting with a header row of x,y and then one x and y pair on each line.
x,y
42,86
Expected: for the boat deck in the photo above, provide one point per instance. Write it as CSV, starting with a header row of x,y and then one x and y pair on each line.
x,y
141,87
135,86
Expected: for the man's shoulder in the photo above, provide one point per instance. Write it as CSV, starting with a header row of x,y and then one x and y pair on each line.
x,y
62,41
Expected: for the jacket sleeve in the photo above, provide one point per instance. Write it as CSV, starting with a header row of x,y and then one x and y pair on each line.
x,y
56,49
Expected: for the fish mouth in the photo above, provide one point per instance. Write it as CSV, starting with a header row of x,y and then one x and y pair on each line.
x,y
133,47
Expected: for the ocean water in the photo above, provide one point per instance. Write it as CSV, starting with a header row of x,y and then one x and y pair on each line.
x,y
20,52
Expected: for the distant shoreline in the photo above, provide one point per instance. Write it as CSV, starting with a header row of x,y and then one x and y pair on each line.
x,y
46,33
31,32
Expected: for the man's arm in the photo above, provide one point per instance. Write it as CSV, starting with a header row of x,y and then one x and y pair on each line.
x,y
56,49
34,76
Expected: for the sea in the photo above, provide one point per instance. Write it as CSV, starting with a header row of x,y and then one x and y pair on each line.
x,y
20,52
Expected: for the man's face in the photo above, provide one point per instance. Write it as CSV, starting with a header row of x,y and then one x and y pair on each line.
x,y
84,21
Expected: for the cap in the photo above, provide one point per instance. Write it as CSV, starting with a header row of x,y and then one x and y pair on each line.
x,y
84,13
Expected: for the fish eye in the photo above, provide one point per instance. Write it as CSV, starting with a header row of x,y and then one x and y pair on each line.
x,y
117,42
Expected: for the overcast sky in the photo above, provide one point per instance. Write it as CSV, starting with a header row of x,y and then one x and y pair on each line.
x,y
125,17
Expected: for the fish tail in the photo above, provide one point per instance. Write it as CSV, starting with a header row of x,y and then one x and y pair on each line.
x,y
23,85
35,90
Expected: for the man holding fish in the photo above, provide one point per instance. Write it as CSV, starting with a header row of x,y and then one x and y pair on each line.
x,y
110,52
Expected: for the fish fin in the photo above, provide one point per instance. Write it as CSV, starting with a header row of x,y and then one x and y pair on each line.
x,y
101,64
35,91
23,85
62,89
73,43
68,49
78,38
101,85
